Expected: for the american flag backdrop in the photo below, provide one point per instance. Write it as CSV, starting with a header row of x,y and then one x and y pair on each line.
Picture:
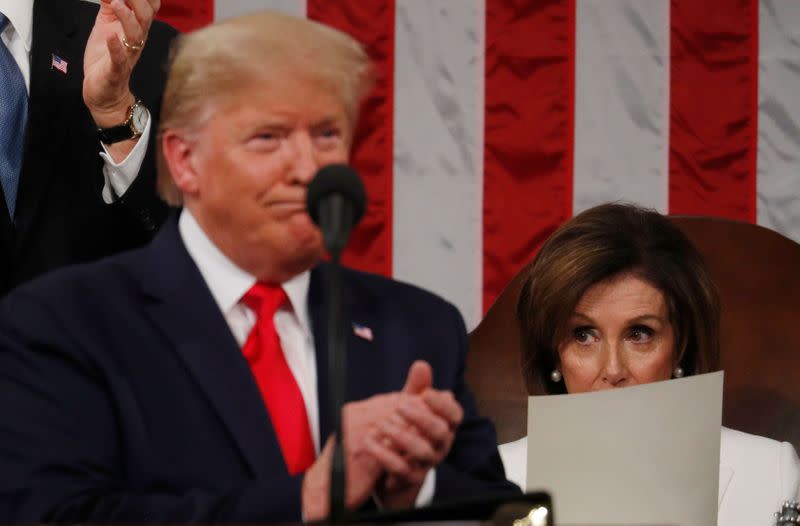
x,y
495,121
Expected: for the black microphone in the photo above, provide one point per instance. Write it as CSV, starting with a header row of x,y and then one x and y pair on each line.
x,y
336,201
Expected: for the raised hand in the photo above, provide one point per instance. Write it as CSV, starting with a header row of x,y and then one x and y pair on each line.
x,y
114,46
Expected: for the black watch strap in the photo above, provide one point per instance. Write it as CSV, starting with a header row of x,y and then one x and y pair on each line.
x,y
121,132
114,134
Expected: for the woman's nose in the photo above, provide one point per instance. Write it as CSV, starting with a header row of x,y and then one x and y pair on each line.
x,y
614,373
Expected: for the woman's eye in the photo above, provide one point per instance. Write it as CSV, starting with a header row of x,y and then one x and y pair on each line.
x,y
641,334
583,335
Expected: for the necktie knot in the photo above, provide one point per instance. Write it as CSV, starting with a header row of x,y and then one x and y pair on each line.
x,y
3,21
264,298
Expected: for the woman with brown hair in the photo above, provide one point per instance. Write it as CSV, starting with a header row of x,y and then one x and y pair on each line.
x,y
618,296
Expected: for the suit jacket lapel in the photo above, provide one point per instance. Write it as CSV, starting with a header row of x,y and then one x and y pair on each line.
x,y
364,363
6,239
187,314
55,31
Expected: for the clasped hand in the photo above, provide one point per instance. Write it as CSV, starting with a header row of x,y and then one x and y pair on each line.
x,y
391,442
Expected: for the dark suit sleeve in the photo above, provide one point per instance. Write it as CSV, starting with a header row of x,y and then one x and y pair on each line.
x,y
66,450
473,466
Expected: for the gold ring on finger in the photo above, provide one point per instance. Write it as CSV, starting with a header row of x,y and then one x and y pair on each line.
x,y
133,47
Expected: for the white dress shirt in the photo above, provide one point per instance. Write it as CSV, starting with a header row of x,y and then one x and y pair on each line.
x,y
228,283
17,36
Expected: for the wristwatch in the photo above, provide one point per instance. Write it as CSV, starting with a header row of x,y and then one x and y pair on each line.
x,y
132,128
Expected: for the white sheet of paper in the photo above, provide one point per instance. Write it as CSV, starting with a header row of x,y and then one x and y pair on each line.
x,y
641,455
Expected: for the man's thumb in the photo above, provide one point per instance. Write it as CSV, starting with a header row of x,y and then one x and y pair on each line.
x,y
420,377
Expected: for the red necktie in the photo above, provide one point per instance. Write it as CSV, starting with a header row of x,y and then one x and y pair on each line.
x,y
275,380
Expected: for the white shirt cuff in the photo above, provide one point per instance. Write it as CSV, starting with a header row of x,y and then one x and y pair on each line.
x,y
119,177
425,495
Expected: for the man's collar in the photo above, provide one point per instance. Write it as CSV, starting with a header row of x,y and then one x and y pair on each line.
x,y
20,16
297,291
226,281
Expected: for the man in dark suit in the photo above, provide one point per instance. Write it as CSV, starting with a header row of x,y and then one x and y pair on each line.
x,y
71,205
135,389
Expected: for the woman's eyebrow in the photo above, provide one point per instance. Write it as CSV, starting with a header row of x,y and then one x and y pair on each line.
x,y
647,317
582,316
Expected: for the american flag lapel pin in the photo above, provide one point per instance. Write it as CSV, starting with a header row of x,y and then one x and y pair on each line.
x,y
58,63
362,331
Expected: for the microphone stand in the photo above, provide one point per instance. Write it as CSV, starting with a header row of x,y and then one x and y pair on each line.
x,y
336,371
336,239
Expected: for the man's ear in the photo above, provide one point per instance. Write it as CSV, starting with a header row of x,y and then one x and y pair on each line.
x,y
178,151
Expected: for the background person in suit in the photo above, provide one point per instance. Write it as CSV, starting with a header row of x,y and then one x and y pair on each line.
x,y
133,389
618,296
62,203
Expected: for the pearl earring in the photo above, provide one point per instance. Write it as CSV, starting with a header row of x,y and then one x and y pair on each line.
x,y
677,372
555,376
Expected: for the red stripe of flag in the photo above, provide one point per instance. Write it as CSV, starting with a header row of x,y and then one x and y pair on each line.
x,y
713,108
529,122
372,24
186,15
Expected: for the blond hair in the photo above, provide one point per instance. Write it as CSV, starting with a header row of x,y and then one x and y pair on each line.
x,y
208,66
